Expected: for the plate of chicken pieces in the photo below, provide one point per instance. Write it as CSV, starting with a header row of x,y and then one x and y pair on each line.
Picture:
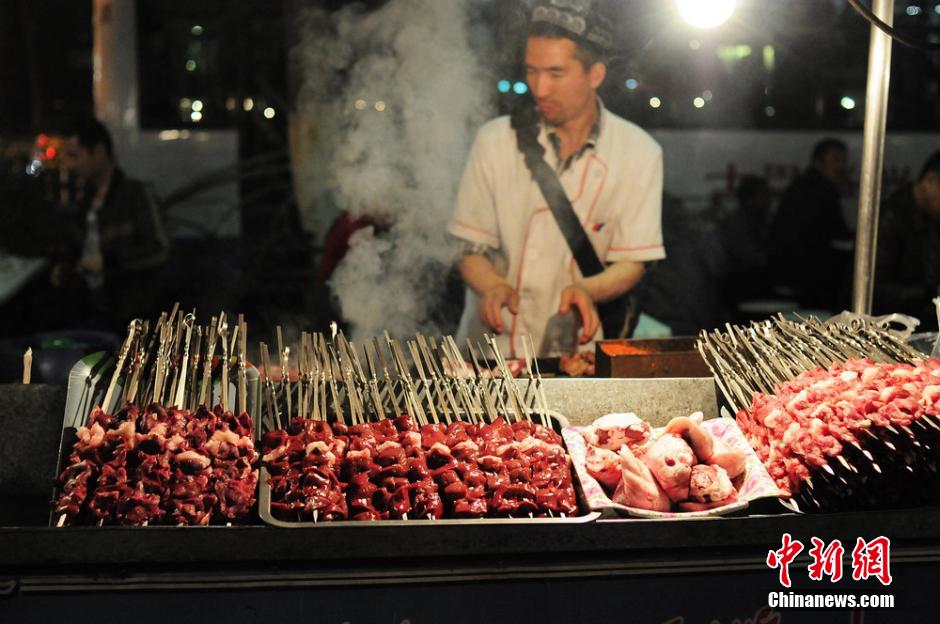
x,y
691,468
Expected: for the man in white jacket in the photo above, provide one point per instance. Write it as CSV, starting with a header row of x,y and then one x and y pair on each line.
x,y
519,269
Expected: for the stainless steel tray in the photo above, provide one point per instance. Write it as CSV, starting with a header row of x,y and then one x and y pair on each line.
x,y
559,422
88,383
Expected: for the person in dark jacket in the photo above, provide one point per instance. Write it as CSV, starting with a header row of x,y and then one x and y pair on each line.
x,y
119,244
907,264
805,236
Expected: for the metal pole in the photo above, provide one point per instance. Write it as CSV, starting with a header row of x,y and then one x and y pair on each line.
x,y
114,79
873,143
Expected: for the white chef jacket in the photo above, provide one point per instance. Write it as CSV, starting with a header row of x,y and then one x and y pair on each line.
x,y
615,188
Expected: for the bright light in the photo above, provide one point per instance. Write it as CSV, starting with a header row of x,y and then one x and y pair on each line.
x,y
913,10
169,135
520,88
196,116
707,95
631,83
33,168
698,102
936,8
770,111
190,65
248,104
360,104
770,57
380,106
847,103
197,106
269,113
705,13
655,102
196,30
503,86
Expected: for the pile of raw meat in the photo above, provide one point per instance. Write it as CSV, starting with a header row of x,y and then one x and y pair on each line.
x,y
159,466
678,468
392,469
852,425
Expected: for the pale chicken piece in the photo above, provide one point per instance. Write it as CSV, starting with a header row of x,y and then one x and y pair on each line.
x,y
615,430
710,484
637,487
670,459
604,465
689,428
706,448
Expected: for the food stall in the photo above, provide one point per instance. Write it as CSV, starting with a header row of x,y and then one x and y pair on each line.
x,y
532,558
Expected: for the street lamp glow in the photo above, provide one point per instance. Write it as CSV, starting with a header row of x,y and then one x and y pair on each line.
x,y
655,102
503,86
698,102
631,83
196,116
197,106
520,88
269,113
705,13
847,103
248,104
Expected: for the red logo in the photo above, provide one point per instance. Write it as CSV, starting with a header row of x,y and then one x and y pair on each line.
x,y
827,560
783,557
872,559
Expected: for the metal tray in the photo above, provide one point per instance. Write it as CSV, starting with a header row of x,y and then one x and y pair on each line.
x,y
88,382
559,422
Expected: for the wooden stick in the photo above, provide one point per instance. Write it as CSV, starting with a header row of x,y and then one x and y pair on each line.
x,y
27,366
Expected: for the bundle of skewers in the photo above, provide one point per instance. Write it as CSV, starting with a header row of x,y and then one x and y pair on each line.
x,y
350,437
844,415
156,450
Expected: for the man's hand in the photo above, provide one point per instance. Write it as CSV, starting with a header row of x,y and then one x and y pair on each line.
x,y
492,302
578,297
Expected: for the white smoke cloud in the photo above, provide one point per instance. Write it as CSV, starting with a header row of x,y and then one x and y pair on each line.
x,y
412,59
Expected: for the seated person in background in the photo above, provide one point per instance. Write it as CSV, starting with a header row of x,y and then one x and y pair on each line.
x,y
809,222
744,235
907,265
119,243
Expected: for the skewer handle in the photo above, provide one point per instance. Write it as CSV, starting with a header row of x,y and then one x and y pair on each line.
x,y
27,366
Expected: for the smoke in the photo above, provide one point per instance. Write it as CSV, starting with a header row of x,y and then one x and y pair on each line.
x,y
398,93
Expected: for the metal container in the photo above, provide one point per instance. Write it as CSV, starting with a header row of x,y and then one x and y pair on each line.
x,y
669,357
558,422
88,382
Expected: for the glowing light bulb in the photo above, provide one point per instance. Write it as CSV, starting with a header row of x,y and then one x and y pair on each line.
x,y
705,13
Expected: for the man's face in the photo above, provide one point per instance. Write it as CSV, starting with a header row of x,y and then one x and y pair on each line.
x,y
833,165
563,89
86,162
